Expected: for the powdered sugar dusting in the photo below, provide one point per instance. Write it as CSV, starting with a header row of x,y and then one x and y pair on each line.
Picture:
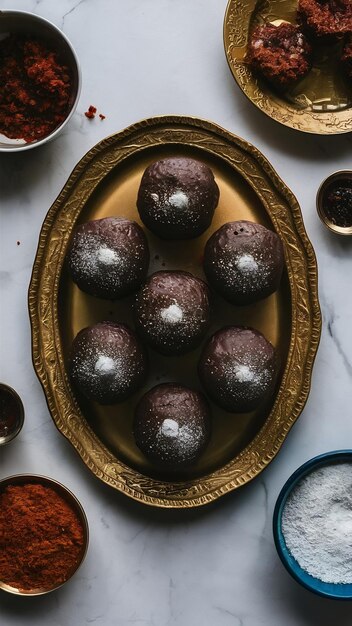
x,y
245,272
105,365
317,523
180,441
243,373
169,428
172,314
179,200
246,263
247,376
107,256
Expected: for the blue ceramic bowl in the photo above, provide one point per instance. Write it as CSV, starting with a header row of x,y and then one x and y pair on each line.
x,y
328,590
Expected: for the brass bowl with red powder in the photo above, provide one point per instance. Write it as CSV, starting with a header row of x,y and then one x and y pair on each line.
x,y
35,547
34,108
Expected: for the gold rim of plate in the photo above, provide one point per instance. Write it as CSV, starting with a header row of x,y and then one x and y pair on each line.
x,y
284,212
239,17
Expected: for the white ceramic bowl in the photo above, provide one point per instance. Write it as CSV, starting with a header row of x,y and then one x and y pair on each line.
x,y
31,24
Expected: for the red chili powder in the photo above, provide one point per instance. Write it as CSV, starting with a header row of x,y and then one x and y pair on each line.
x,y
41,537
91,112
35,88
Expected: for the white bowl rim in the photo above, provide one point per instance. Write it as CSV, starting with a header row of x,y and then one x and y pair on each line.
x,y
54,133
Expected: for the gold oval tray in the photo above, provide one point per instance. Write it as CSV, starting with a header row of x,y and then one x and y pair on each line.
x,y
105,182
319,104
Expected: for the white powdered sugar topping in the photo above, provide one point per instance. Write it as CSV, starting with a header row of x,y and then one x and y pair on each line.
x,y
317,523
246,263
107,256
169,428
179,200
180,440
172,314
243,373
105,364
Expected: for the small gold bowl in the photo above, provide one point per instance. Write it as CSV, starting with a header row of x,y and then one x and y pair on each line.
x,y
70,498
340,175
11,404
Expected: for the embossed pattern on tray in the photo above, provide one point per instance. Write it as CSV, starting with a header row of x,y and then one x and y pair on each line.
x,y
319,104
236,163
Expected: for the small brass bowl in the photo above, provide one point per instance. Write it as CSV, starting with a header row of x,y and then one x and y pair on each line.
x,y
336,176
11,401
31,24
66,494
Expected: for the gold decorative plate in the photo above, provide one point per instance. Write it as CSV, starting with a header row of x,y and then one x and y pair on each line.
x,y
105,182
321,103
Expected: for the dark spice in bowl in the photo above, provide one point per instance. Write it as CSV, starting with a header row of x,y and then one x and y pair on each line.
x,y
41,537
36,88
337,202
11,413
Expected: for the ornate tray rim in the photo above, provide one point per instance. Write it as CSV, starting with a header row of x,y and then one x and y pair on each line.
x,y
327,123
286,216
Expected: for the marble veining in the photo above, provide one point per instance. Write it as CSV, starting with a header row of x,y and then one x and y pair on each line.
x,y
215,566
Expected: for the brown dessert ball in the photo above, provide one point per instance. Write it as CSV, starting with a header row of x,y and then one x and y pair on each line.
x,y
346,58
238,368
243,261
172,426
172,312
109,257
177,198
326,18
107,362
281,54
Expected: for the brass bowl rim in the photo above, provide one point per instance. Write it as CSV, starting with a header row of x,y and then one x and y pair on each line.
x,y
76,64
12,435
338,230
22,479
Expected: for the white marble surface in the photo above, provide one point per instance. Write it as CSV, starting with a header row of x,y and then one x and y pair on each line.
x,y
216,566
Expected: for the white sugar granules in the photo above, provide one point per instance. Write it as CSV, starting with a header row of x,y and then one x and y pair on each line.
x,y
172,314
179,200
105,365
317,523
169,428
106,255
243,373
247,263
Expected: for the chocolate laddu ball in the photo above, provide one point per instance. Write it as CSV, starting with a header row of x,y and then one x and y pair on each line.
x,y
177,198
172,425
172,312
238,368
107,362
243,261
109,257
